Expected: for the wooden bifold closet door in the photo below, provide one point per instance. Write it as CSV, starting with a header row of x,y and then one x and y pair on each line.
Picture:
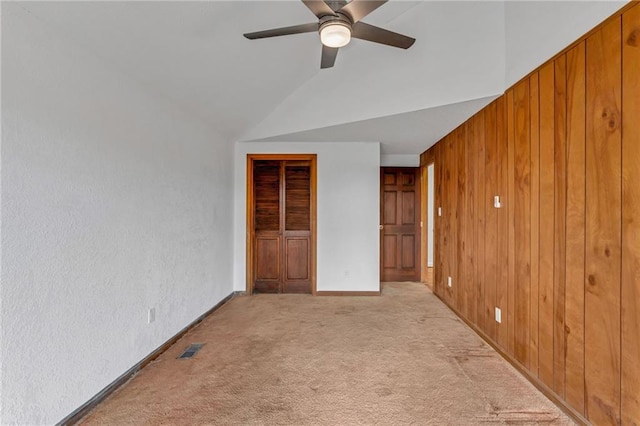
x,y
282,226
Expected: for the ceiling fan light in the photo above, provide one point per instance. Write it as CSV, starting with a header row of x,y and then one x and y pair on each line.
x,y
335,35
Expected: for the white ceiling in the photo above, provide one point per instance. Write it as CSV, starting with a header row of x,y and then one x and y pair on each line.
x,y
193,53
430,124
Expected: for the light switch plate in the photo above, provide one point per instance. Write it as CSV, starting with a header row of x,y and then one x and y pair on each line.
x,y
498,315
449,281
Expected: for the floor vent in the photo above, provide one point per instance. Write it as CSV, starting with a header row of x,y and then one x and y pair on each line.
x,y
191,350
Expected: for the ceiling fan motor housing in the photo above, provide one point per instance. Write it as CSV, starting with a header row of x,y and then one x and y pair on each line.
x,y
337,19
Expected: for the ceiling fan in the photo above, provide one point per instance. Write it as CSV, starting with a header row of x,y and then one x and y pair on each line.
x,y
338,21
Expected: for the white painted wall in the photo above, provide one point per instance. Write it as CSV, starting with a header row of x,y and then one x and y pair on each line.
x,y
1,133
348,212
113,202
400,160
537,30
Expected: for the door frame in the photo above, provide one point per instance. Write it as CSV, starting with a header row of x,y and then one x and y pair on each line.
x,y
250,255
427,159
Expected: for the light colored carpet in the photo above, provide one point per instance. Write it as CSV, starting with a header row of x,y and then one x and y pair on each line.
x,y
401,358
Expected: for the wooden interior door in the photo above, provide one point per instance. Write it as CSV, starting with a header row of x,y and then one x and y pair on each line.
x,y
400,227
282,226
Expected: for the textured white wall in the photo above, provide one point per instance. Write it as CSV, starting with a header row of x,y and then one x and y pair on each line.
x,y
348,212
399,160
1,226
112,202
537,30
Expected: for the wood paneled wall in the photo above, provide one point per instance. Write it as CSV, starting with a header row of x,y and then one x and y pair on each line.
x,y
561,256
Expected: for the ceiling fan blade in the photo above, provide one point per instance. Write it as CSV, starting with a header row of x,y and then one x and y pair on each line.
x,y
380,35
319,8
295,29
358,9
328,56
336,4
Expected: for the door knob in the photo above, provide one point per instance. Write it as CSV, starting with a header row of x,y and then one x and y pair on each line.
x,y
381,227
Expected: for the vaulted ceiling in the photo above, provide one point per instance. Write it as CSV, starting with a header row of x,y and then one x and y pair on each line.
x,y
193,53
